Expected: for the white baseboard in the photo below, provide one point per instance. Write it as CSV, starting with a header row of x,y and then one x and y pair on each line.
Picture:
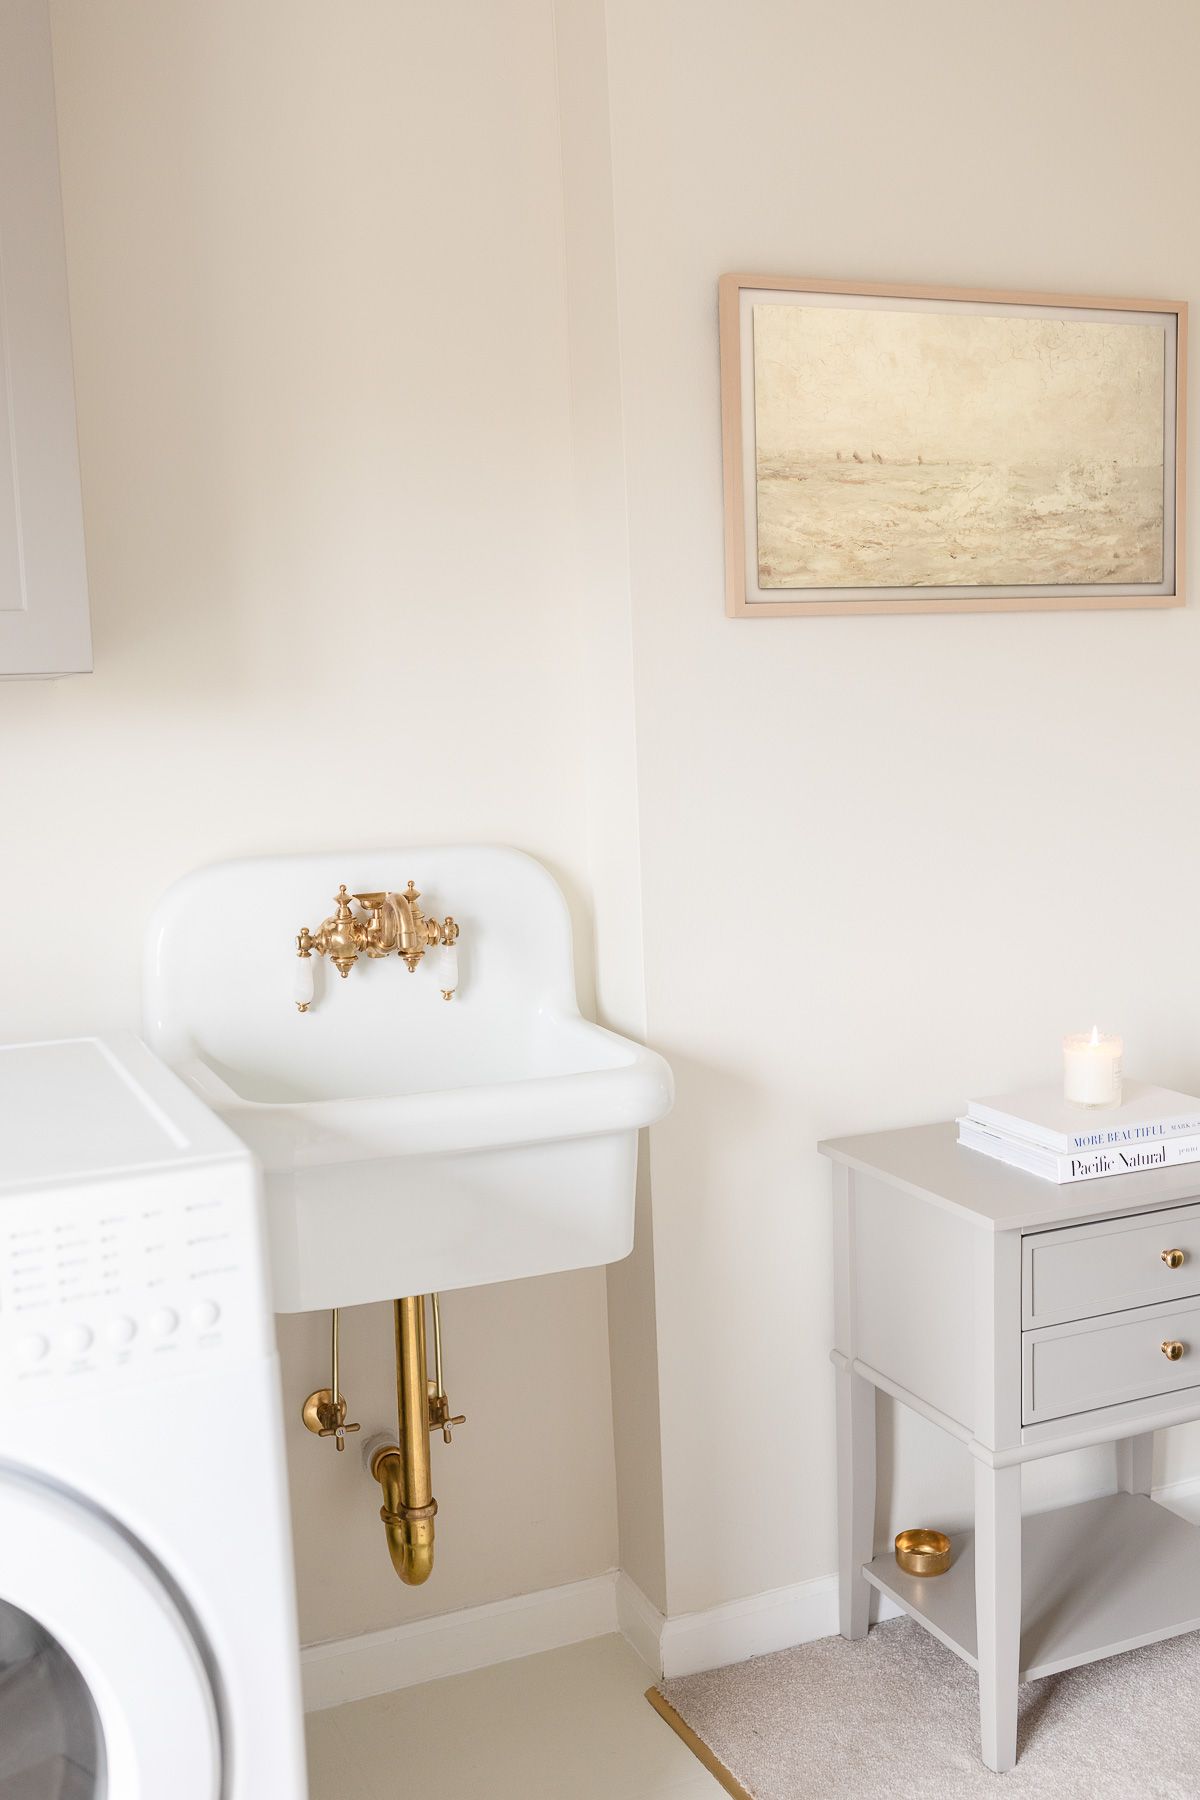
x,y
379,1662
640,1621
452,1644
776,1620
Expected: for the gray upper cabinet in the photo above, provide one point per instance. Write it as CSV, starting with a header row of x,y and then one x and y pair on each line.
x,y
44,627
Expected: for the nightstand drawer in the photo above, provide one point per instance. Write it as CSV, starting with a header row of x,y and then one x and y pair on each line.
x,y
1107,1267
1090,1363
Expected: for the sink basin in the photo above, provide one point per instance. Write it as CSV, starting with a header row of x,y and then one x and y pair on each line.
x,y
409,1144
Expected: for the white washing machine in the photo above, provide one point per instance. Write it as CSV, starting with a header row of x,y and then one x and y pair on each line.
x,y
148,1641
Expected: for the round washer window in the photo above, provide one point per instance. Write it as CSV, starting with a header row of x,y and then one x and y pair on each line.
x,y
51,1745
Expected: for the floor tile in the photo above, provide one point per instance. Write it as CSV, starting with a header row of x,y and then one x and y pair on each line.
x,y
571,1724
326,1756
701,1786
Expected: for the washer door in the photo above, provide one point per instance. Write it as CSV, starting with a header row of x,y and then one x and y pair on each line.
x,y
104,1694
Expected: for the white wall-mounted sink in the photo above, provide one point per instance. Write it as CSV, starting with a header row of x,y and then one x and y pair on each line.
x,y
409,1143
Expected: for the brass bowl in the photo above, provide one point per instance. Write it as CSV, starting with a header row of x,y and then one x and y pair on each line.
x,y
922,1552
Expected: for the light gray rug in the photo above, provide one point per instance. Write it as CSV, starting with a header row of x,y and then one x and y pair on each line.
x,y
897,1716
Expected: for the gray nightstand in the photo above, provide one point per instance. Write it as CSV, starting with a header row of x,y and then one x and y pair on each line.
x,y
1025,1319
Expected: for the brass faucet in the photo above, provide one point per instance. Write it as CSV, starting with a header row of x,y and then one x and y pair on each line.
x,y
393,923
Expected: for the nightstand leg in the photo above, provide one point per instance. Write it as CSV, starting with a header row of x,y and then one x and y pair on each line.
x,y
998,1609
1135,1463
856,1500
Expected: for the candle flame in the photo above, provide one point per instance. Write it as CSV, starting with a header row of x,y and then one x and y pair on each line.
x,y
1095,1037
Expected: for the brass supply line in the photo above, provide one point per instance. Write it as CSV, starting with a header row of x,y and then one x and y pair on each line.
x,y
324,1412
403,1469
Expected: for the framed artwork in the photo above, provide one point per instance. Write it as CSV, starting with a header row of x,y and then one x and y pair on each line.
x,y
919,449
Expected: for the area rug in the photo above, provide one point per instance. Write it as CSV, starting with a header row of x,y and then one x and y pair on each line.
x,y
895,1717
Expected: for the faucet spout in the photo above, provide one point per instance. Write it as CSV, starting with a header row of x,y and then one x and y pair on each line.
x,y
412,933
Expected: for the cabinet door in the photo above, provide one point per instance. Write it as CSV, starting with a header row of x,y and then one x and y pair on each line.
x,y
44,626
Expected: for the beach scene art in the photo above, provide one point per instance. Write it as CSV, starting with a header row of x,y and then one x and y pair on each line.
x,y
946,449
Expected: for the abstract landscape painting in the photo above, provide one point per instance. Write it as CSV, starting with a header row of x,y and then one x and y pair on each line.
x,y
906,449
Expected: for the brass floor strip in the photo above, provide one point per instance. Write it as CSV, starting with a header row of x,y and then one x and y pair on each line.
x,y
697,1746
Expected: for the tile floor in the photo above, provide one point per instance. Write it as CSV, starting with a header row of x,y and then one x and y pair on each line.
x,y
567,1725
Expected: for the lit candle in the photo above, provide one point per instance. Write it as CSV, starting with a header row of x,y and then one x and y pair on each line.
x,y
1092,1069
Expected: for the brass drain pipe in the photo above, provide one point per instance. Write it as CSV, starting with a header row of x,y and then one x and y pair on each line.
x,y
403,1470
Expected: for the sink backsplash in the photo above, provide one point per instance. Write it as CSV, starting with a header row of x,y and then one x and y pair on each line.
x,y
221,959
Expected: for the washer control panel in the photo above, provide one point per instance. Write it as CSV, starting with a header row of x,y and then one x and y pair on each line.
x,y
135,1278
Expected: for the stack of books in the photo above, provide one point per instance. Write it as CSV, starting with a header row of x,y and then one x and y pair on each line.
x,y
1037,1130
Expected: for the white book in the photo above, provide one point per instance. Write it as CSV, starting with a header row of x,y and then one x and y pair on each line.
x,y
1043,1118
1080,1165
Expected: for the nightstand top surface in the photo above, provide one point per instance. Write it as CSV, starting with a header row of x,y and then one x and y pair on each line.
x,y
929,1162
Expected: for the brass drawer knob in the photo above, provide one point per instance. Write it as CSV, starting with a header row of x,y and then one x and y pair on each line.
x,y
1172,1349
1174,1259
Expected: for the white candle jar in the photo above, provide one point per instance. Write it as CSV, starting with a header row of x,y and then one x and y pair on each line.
x,y
1092,1069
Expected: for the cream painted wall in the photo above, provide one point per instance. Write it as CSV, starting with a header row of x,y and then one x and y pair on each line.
x,y
381,550
886,862
316,265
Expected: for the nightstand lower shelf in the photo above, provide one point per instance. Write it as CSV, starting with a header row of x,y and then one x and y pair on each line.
x,y
1097,1578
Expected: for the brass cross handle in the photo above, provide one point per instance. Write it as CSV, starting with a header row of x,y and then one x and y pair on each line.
x,y
1174,1259
338,1431
326,1417
440,1419
1172,1349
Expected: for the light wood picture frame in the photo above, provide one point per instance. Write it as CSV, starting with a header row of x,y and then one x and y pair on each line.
x,y
891,448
